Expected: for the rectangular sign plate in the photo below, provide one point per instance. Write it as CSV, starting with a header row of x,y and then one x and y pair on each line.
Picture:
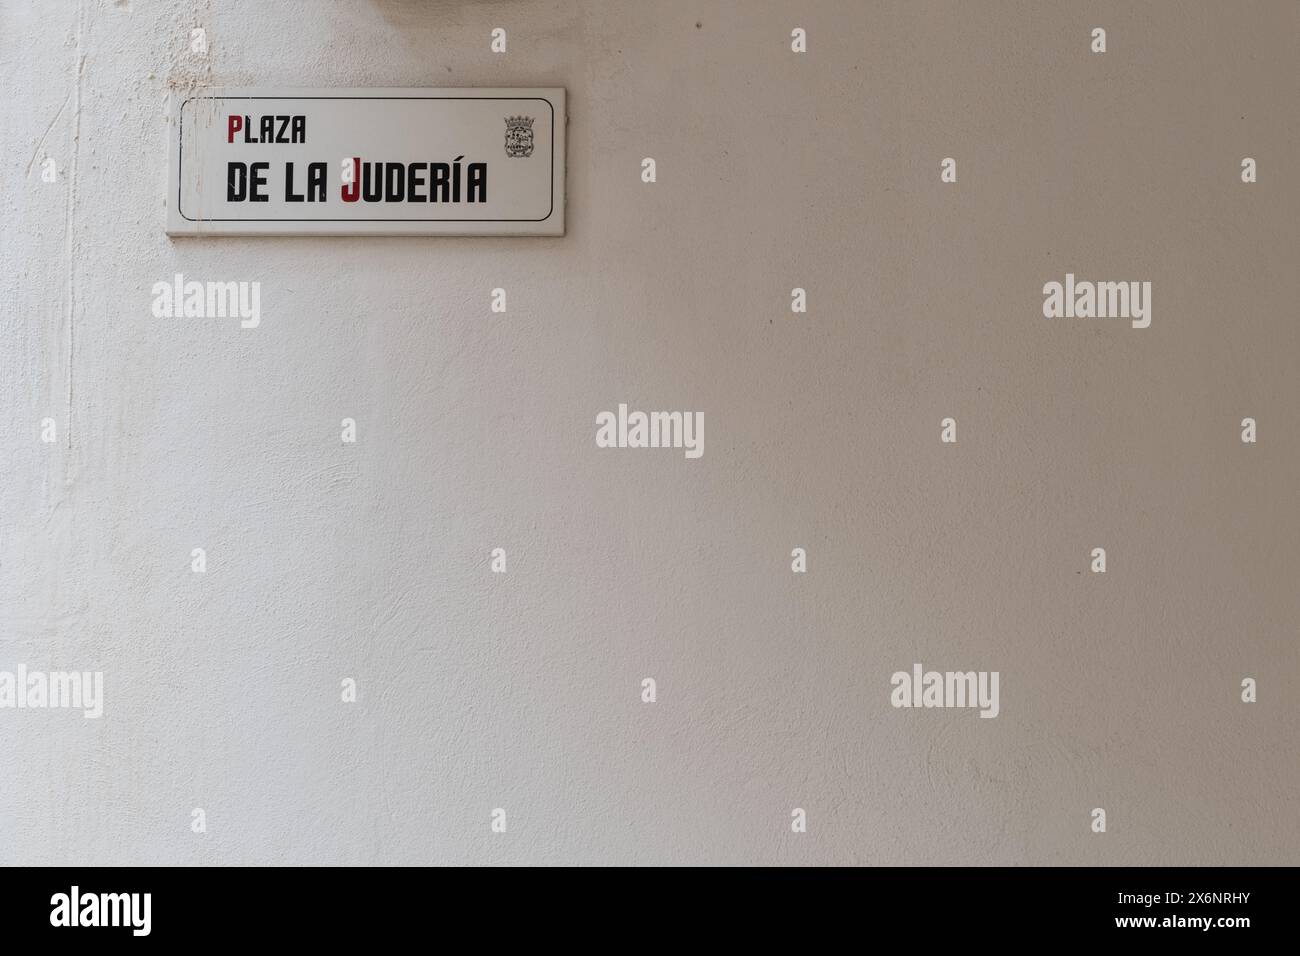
x,y
367,162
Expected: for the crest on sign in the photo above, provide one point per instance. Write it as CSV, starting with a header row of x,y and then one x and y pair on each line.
x,y
519,136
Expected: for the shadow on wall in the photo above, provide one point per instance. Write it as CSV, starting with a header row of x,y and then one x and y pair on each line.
x,y
427,27
423,14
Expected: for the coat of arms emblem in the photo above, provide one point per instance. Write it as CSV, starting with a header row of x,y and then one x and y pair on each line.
x,y
519,136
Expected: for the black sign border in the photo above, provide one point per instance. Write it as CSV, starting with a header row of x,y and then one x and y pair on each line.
x,y
180,151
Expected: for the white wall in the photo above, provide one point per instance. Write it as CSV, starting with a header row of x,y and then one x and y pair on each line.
x,y
476,431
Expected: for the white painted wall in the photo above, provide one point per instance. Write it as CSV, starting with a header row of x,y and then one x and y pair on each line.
x,y
476,431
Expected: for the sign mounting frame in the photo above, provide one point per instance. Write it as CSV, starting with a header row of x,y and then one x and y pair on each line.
x,y
507,178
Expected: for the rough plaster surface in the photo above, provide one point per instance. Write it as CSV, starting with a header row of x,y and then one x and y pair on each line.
x,y
476,431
